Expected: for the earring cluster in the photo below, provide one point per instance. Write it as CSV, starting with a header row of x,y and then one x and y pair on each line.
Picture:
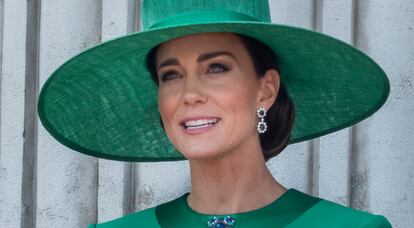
x,y
261,125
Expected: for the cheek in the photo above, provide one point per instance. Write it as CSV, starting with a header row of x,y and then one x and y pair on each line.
x,y
166,106
240,101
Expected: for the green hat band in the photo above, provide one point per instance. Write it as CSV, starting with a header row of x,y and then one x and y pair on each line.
x,y
155,11
203,17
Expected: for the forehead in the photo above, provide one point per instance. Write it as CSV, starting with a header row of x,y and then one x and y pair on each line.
x,y
198,43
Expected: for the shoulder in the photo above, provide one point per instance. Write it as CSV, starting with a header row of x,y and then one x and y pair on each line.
x,y
144,218
148,218
329,214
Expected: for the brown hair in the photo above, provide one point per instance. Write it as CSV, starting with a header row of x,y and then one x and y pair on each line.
x,y
280,116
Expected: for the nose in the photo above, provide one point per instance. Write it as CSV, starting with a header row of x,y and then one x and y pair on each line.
x,y
194,91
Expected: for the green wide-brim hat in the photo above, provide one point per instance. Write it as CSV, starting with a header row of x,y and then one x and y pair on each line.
x,y
103,101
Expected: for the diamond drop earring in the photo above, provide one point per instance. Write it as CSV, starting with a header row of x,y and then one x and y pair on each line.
x,y
261,125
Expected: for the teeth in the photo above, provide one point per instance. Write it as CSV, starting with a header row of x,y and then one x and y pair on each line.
x,y
194,124
201,126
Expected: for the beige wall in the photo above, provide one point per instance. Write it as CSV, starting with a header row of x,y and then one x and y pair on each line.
x,y
43,184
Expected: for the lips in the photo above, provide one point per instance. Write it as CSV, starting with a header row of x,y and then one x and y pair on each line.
x,y
199,123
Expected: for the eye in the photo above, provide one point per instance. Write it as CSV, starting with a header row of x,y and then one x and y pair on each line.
x,y
217,68
169,75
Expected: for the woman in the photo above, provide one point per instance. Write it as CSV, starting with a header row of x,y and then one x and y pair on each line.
x,y
223,106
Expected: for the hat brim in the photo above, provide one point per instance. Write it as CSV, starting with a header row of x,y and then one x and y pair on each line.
x,y
103,101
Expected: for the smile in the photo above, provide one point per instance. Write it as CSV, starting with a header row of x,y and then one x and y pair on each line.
x,y
201,123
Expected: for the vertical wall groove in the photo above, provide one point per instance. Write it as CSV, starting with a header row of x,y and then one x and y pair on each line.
x,y
129,168
135,26
30,117
138,25
314,160
351,168
353,158
96,200
133,11
129,189
355,19
314,144
100,21
129,186
96,177
317,15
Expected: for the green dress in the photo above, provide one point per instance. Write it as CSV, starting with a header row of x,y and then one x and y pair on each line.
x,y
292,209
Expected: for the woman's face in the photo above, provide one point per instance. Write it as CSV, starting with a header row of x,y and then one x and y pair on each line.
x,y
208,94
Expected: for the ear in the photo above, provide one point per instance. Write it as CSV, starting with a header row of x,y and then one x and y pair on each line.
x,y
269,88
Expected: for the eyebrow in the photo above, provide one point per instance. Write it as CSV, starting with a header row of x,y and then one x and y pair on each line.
x,y
201,58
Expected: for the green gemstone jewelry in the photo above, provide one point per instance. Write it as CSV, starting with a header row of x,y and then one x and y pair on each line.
x,y
221,222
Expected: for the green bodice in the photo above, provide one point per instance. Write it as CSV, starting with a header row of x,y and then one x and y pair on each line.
x,y
293,209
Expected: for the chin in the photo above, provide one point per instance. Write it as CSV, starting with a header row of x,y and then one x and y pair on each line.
x,y
201,153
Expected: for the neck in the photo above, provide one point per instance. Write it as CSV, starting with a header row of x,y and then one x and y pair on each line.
x,y
236,183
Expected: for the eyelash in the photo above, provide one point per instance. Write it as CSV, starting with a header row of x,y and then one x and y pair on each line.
x,y
223,69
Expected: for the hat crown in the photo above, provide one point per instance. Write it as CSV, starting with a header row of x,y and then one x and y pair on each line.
x,y
154,11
